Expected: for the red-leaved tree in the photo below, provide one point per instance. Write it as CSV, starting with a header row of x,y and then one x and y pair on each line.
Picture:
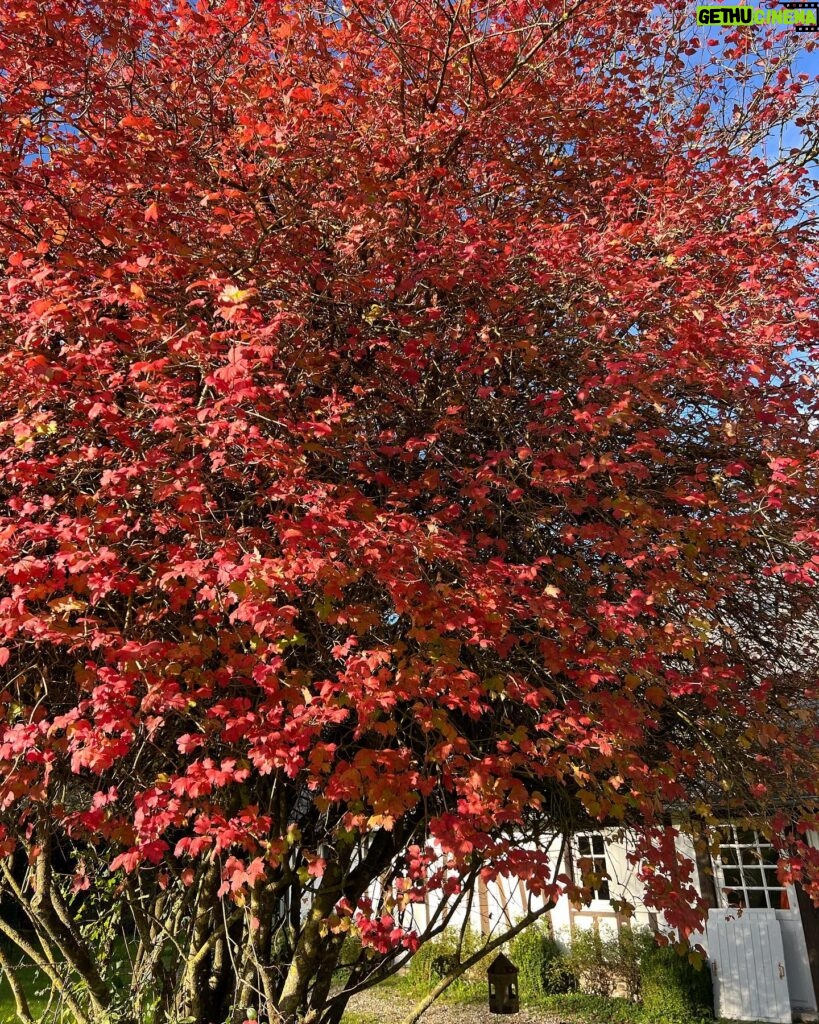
x,y
406,457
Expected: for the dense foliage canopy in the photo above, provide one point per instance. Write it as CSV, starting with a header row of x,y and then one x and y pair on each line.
x,y
406,454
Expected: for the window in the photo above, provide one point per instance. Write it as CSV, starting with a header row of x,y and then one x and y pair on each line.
x,y
748,870
592,861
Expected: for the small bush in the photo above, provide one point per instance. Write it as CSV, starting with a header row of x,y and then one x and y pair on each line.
x,y
541,962
560,978
350,952
608,966
628,951
424,968
673,989
590,961
436,959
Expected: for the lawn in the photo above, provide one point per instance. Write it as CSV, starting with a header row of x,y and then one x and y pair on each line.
x,y
32,982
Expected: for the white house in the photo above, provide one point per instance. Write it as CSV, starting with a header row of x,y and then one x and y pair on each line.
x,y
762,937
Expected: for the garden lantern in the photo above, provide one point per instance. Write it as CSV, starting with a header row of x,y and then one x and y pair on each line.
x,y
503,986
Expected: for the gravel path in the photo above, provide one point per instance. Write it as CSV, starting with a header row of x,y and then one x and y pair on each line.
x,y
390,1008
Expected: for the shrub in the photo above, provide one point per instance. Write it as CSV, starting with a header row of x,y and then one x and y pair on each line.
x,y
350,952
560,978
674,989
541,962
589,962
608,966
435,960
424,968
626,955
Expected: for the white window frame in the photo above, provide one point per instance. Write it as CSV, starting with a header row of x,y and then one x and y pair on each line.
x,y
596,856
748,858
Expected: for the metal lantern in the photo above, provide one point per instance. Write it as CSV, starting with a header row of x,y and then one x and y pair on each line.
x,y
503,986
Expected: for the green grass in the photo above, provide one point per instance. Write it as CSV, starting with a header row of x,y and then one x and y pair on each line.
x,y
31,982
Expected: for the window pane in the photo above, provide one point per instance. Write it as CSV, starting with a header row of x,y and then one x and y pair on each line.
x,y
753,877
597,845
751,856
748,863
603,891
584,846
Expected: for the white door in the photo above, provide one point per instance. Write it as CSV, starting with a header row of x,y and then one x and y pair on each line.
x,y
746,877
747,960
